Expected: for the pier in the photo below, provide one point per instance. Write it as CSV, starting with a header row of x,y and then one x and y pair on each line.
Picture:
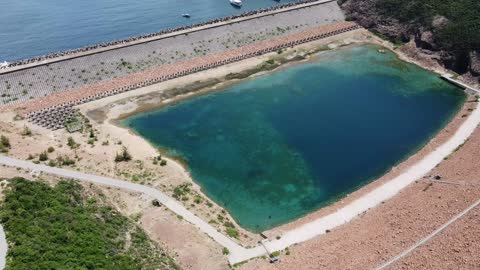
x,y
470,90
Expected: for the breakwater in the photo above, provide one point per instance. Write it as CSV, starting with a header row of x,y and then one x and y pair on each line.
x,y
151,36
39,80
51,111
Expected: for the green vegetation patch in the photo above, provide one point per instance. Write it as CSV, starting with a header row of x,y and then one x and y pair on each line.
x,y
61,228
461,31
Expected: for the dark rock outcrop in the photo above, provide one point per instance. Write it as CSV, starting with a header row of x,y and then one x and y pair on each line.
x,y
367,14
475,63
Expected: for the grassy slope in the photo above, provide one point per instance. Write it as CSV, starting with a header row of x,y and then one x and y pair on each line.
x,y
60,228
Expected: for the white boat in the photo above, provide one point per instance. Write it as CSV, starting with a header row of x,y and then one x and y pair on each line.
x,y
237,3
186,15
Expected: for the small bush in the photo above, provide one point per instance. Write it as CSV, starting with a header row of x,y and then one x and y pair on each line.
x,y
275,254
5,142
232,233
197,199
228,224
163,162
225,251
26,131
17,117
123,156
65,161
71,143
43,156
50,149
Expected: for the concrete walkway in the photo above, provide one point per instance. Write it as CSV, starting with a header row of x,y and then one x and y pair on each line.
x,y
3,248
300,234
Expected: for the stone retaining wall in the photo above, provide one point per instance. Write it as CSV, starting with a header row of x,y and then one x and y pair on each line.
x,y
52,111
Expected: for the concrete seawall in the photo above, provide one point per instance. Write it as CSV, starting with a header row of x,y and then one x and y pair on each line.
x,y
51,111
84,68
95,49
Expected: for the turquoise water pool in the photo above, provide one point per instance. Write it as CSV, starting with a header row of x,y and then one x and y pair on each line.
x,y
276,147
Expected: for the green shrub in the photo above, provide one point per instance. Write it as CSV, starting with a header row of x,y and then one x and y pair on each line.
x,y
26,131
275,254
62,228
123,156
43,156
71,143
232,232
5,142
225,251
50,149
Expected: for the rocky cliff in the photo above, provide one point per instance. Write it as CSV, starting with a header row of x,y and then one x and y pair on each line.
x,y
426,29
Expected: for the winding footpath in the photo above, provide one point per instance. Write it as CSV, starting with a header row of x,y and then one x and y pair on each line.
x,y
300,234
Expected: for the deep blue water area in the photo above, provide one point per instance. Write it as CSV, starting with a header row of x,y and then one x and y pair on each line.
x,y
274,148
31,27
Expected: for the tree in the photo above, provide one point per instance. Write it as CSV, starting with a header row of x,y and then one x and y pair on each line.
x,y
123,156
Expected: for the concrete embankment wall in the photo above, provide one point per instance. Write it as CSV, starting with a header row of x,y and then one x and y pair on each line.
x,y
51,111
41,79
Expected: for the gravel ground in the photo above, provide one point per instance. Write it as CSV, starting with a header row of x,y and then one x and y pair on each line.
x,y
457,247
44,80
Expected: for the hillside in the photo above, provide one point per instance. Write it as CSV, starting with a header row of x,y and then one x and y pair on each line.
x,y
449,30
63,228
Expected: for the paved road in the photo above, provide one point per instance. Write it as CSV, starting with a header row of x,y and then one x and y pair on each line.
x,y
237,252
3,248
430,236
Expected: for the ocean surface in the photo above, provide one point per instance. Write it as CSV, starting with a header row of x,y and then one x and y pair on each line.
x,y
274,148
31,28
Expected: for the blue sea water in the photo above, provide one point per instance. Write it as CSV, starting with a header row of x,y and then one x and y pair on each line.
x,y
276,147
32,28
